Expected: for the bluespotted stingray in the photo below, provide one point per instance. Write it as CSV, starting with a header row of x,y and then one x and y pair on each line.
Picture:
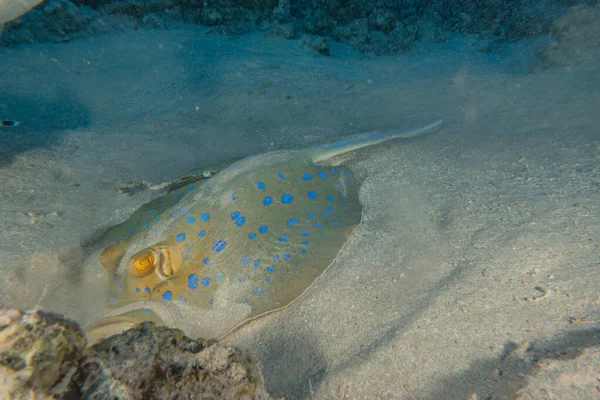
x,y
13,9
231,243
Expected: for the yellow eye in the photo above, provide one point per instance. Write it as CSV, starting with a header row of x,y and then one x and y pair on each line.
x,y
144,262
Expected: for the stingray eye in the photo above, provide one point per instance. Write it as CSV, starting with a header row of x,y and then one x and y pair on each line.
x,y
143,263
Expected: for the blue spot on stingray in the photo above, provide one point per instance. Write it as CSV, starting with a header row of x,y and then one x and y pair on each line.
x,y
330,198
305,233
319,224
326,211
339,187
281,175
119,287
150,212
205,217
192,281
174,214
252,235
282,239
235,215
144,227
263,229
311,194
185,212
304,243
202,233
146,309
306,176
270,269
275,258
206,261
330,208
245,260
131,230
310,214
267,200
180,237
190,219
322,175
219,246
167,295
342,204
219,276
156,219
260,185
137,289
134,223
336,223
286,256
303,251
147,289
286,198
291,221
180,194
241,221
211,301
191,187
205,282
233,196
267,280
256,263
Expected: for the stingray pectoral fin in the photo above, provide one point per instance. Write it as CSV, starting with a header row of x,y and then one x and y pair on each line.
x,y
115,325
13,9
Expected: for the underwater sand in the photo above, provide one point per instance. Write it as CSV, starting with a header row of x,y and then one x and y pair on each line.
x,y
476,268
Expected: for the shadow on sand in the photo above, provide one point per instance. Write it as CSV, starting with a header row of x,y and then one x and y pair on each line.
x,y
42,121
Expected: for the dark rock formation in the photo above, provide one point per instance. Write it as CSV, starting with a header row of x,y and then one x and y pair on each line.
x,y
378,26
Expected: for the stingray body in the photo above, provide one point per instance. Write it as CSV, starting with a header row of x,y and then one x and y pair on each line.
x,y
245,240
13,9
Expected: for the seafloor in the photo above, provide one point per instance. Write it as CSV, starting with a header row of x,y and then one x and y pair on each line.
x,y
475,271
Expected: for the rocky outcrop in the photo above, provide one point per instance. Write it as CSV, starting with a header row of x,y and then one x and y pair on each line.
x,y
575,38
43,355
378,26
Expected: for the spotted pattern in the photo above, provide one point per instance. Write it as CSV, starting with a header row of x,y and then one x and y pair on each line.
x,y
274,214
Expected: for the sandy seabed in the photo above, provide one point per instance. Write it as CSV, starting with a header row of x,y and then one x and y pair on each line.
x,y
475,271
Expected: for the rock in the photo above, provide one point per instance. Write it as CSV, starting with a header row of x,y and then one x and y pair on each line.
x,y
317,44
576,39
43,355
167,364
286,31
211,17
39,353
281,13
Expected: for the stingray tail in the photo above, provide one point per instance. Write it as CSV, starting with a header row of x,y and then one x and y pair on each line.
x,y
327,151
